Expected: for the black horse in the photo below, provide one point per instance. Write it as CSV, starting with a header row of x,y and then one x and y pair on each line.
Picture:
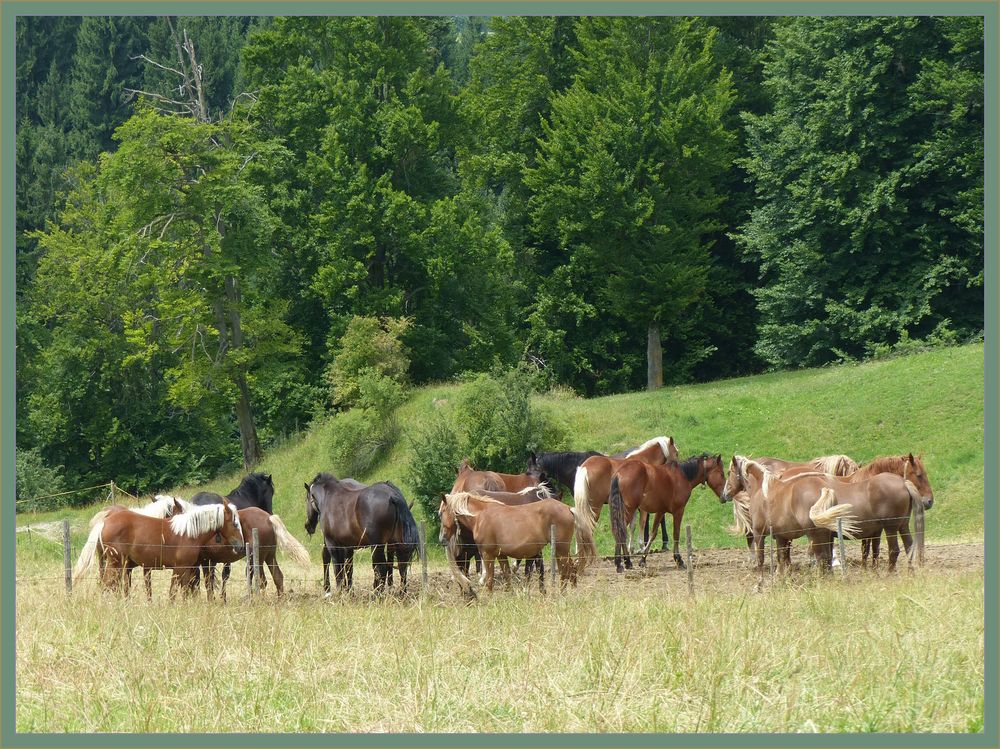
x,y
357,516
562,466
255,490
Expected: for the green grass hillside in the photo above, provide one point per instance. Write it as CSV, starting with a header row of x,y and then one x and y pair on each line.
x,y
930,403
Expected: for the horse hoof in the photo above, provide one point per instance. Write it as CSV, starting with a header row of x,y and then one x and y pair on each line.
x,y
642,562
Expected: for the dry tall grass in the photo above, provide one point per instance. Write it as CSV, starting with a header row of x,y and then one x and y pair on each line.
x,y
870,653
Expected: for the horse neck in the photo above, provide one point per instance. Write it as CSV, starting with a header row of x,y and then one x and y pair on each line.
x,y
887,464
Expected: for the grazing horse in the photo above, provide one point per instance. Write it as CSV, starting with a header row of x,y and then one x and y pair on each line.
x,y
519,531
129,540
592,482
658,489
357,516
255,490
271,536
162,506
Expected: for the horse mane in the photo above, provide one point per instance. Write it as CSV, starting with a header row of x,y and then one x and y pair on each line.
x,y
465,465
769,476
325,479
689,466
835,465
458,502
883,464
543,491
200,520
167,501
663,442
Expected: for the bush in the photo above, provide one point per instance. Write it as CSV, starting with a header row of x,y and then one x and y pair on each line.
x,y
370,346
493,423
436,454
34,479
363,435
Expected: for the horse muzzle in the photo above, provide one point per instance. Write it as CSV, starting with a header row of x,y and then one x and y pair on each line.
x,y
928,502
238,547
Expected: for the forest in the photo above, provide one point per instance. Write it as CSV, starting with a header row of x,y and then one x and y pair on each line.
x,y
208,207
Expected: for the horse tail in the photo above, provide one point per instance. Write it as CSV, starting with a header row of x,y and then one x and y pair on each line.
x,y
456,573
288,543
581,501
619,526
825,512
99,517
404,518
586,548
914,493
90,550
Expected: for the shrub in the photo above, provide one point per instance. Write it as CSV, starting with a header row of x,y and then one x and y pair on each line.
x,y
34,479
493,423
369,346
363,435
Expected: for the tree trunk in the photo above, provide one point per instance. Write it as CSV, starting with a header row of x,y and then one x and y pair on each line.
x,y
654,358
248,430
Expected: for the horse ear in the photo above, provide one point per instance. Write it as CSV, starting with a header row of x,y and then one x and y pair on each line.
x,y
910,458
306,486
267,478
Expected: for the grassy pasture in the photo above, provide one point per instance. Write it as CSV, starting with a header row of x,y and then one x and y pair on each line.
x,y
620,653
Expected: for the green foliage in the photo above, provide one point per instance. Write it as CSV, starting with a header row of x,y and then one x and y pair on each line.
x,y
868,172
362,436
370,351
493,423
34,479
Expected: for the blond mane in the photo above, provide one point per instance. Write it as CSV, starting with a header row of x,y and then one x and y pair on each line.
x,y
835,465
458,502
663,442
203,519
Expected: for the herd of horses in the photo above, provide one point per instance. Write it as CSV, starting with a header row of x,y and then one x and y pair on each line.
x,y
490,517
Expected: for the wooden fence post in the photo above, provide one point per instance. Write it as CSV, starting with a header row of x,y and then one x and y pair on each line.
x,y
67,564
840,543
917,512
256,562
770,533
552,555
422,533
690,563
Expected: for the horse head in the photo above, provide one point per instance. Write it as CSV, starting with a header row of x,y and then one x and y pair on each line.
x,y
312,509
446,519
715,476
231,530
915,472
734,483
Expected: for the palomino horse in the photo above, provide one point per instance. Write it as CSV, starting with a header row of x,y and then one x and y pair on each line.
x,y
357,516
162,506
658,489
519,531
271,536
129,540
468,479
592,483
909,468
463,546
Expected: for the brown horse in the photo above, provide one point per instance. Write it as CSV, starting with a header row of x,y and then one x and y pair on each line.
x,y
520,531
835,465
162,506
659,490
356,516
271,536
128,540
593,478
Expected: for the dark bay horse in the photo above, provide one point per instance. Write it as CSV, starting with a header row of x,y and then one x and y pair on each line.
x,y
560,467
659,489
128,540
271,536
356,516
519,532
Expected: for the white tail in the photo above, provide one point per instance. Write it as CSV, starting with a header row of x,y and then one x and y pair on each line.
x,y
581,500
288,543
825,512
89,553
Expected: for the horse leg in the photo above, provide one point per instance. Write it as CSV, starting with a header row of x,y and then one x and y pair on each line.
x,y
677,534
378,566
644,521
488,563
540,564
876,547
276,575
349,567
663,531
904,532
505,571
893,550
147,578
390,558
226,569
866,547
